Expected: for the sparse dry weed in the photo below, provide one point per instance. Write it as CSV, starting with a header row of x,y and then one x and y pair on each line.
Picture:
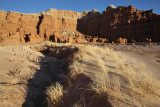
x,y
101,64
108,51
122,66
142,67
48,43
115,56
100,85
75,68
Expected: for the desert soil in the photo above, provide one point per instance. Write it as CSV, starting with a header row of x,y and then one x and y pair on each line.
x,y
149,54
18,61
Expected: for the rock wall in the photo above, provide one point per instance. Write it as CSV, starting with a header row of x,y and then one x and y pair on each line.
x,y
74,27
53,25
125,22
18,26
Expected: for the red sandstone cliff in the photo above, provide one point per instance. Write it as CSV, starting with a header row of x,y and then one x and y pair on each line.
x,y
74,27
53,25
126,22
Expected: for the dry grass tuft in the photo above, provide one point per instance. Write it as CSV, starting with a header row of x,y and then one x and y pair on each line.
x,y
142,67
48,43
75,68
108,51
115,56
54,94
101,64
88,50
122,66
99,50
99,86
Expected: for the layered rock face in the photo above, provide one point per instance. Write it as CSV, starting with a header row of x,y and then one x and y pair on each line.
x,y
17,26
53,25
125,22
74,27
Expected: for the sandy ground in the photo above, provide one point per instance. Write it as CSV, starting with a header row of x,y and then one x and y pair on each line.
x,y
137,55
24,73
148,54
151,62
15,63
19,62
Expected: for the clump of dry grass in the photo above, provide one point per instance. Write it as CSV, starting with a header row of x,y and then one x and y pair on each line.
x,y
108,51
98,53
54,94
48,43
94,50
99,86
101,64
122,66
139,80
75,68
79,54
146,84
105,85
99,49
88,50
115,56
142,67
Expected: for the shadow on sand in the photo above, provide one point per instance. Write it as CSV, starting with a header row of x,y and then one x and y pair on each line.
x,y
54,69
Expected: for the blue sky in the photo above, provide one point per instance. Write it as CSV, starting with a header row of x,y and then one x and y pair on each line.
x,y
36,6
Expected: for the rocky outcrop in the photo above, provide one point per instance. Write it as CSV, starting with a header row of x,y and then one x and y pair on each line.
x,y
33,28
121,40
18,26
74,27
125,22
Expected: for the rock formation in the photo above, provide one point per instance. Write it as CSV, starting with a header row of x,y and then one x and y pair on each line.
x,y
125,22
74,27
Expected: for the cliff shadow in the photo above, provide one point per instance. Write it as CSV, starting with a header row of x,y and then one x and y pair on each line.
x,y
90,24
54,68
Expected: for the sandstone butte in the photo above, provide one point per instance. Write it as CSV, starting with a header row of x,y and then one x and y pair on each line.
x,y
119,24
